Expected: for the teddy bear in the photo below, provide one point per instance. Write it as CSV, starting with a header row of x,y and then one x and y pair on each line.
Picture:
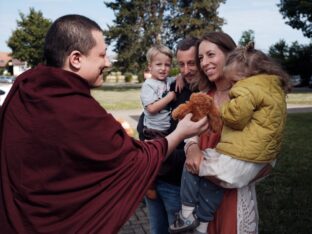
x,y
200,105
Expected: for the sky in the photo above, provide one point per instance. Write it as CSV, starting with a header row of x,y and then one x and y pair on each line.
x,y
262,16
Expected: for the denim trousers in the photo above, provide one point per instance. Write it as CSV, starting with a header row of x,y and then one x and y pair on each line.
x,y
201,194
162,210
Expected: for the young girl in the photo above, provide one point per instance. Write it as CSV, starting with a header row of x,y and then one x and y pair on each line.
x,y
254,120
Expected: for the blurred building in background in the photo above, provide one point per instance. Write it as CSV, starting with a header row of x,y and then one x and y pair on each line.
x,y
11,66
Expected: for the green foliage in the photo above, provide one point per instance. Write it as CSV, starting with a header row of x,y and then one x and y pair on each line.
x,y
279,51
284,198
157,21
246,37
192,18
299,14
174,71
27,40
128,77
300,60
134,31
1,70
296,59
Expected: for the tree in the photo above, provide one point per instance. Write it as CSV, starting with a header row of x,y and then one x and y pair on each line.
x,y
279,52
299,14
300,61
192,18
295,59
157,21
246,37
27,40
134,31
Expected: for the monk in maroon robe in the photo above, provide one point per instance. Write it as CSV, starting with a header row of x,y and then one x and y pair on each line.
x,y
67,166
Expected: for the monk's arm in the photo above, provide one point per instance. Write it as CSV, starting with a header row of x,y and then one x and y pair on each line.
x,y
185,129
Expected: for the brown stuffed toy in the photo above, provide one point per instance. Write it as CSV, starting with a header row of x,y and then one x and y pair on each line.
x,y
200,105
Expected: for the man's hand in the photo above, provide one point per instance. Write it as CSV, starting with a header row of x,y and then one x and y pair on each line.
x,y
180,83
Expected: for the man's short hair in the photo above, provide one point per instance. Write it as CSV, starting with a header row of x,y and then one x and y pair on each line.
x,y
187,43
66,34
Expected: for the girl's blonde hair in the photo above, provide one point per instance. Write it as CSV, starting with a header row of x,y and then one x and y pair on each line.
x,y
155,49
252,62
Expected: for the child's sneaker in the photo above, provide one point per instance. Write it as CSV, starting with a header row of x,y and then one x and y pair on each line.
x,y
182,224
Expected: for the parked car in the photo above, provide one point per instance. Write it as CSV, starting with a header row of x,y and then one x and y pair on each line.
x,y
295,80
5,88
6,79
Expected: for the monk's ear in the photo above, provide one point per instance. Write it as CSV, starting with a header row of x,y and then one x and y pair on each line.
x,y
75,59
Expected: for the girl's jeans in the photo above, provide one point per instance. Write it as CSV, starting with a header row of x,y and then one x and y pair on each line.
x,y
201,194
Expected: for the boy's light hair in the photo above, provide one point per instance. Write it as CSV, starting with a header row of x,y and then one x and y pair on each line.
x,y
155,49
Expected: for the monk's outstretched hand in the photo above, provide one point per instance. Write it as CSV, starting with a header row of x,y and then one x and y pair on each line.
x,y
185,129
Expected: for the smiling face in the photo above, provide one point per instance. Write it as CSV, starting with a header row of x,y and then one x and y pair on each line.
x,y
160,66
212,60
94,63
187,64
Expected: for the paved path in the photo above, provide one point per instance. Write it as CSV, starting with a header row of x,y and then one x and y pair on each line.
x,y
138,223
131,116
299,108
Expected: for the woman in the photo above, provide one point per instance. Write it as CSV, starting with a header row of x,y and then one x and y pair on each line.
x,y
238,210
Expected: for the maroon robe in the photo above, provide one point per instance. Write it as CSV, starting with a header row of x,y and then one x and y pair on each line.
x,y
67,166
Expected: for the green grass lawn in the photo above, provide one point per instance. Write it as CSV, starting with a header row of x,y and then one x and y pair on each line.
x,y
299,98
128,97
285,197
118,98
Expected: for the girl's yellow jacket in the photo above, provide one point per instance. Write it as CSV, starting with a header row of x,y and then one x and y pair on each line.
x,y
254,119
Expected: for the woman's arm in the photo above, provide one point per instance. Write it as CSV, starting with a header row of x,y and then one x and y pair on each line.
x,y
194,157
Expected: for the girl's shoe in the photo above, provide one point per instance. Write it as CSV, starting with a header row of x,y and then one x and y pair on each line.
x,y
182,224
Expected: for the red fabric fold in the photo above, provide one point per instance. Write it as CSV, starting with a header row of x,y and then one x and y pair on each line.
x,y
67,166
